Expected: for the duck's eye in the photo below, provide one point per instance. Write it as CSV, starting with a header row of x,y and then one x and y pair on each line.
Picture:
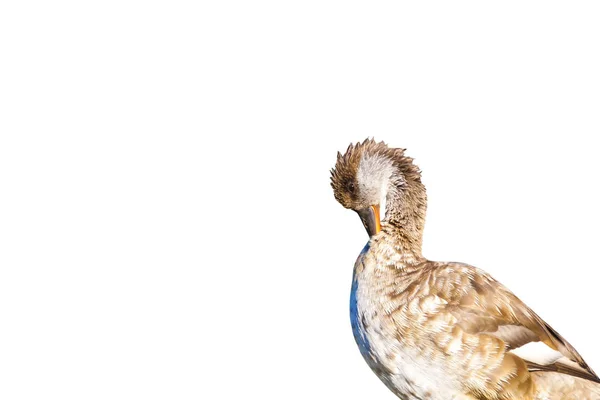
x,y
351,187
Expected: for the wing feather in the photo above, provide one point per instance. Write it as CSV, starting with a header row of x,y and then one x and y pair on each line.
x,y
485,307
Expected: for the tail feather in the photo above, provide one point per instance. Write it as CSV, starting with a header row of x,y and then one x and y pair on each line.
x,y
557,386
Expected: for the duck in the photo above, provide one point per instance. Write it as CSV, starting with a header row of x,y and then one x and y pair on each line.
x,y
440,330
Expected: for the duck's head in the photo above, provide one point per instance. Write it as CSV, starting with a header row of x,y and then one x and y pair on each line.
x,y
380,183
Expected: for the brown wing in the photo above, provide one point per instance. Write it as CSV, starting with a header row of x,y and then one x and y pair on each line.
x,y
486,307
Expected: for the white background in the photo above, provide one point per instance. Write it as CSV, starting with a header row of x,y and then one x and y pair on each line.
x,y
167,226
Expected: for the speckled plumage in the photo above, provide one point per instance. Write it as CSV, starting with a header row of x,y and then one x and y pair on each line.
x,y
442,331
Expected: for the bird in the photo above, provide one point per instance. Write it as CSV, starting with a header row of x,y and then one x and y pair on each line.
x,y
440,330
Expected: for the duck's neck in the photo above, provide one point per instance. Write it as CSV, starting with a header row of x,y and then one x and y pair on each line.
x,y
405,218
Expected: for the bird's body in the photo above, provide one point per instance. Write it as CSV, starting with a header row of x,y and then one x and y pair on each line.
x,y
439,331
444,331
